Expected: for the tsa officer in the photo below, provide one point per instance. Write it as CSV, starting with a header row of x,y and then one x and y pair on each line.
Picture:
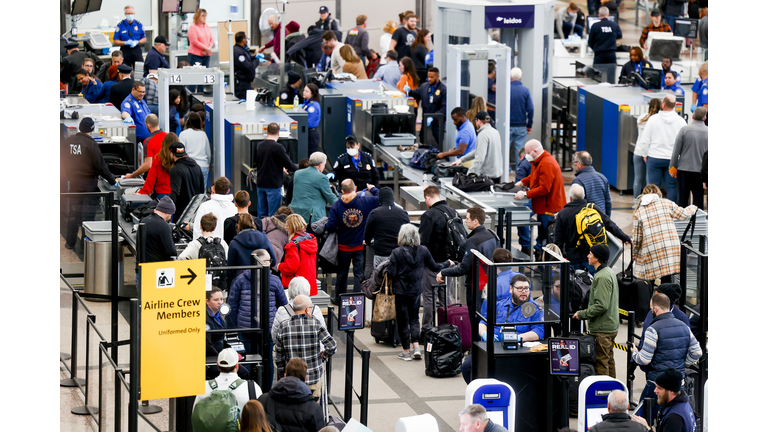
x,y
129,36
671,83
356,165
431,97
290,90
245,65
312,107
134,110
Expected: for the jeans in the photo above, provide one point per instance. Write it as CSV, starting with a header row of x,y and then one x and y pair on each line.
x,y
690,182
203,60
358,266
639,183
524,233
577,29
517,136
658,174
152,109
269,201
593,6
670,19
407,315
205,175
541,237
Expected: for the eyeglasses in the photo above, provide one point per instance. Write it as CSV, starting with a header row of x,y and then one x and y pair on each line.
x,y
522,289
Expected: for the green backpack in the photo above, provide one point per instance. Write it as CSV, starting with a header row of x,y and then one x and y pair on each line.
x,y
219,411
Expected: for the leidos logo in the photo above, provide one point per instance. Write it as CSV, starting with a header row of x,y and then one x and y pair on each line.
x,y
509,20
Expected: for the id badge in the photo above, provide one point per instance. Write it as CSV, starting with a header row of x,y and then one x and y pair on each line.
x,y
431,99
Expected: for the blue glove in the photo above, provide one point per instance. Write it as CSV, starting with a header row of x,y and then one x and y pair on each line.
x,y
331,176
406,89
132,43
259,56
693,107
128,120
484,337
429,121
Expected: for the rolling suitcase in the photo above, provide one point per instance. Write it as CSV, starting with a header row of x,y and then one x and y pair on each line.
x,y
443,351
634,294
385,331
458,315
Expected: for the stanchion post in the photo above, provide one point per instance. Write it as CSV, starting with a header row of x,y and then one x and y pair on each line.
x,y
133,408
630,341
113,279
85,409
73,380
348,370
364,383
500,224
329,361
648,410
264,323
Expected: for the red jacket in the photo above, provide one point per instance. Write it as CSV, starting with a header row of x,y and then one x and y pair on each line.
x,y
158,179
547,192
300,261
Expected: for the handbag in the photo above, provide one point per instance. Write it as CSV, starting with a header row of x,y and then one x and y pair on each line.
x,y
384,308
445,169
472,182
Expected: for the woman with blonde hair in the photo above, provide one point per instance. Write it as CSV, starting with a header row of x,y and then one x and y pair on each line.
x,y
353,64
200,42
637,159
300,258
386,38
478,104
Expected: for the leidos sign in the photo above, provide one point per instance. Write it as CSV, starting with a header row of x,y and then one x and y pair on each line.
x,y
509,16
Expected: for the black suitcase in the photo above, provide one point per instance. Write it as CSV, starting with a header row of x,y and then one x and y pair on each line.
x,y
443,351
445,169
585,370
587,346
385,331
634,294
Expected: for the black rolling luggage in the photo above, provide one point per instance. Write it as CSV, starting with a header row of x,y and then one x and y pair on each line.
x,y
443,351
385,331
634,294
585,370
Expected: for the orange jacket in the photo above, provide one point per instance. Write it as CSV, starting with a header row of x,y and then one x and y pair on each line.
x,y
547,192
406,79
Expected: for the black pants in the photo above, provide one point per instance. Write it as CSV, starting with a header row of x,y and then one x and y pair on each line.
x,y
358,267
407,308
241,87
131,55
80,209
690,182
314,141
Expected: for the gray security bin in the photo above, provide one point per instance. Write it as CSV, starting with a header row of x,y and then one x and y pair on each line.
x,y
98,264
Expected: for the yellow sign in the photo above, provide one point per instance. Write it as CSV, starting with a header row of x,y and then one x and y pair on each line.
x,y
172,329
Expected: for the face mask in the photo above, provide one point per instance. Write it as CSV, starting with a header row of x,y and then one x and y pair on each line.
x,y
129,18
529,157
572,14
352,152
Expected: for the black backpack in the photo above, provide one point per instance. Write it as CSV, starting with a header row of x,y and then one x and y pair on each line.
x,y
457,237
214,255
578,291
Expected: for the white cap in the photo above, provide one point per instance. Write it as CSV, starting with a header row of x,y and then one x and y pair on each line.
x,y
228,358
152,75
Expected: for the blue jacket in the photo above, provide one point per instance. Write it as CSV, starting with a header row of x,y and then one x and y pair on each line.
x,y
596,188
239,301
508,312
103,95
679,406
670,348
483,241
523,170
154,60
520,105
91,91
241,247
349,218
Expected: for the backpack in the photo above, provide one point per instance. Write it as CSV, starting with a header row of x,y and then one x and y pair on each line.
x,y
425,158
578,291
219,411
214,255
457,237
590,226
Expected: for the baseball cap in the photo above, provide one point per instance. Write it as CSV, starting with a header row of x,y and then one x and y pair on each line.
x,y
227,358
482,115
323,9
152,75
178,149
161,39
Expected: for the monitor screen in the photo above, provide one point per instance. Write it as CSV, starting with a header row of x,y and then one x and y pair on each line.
x,y
684,27
99,38
595,416
653,77
170,6
189,6
79,7
594,18
665,48
496,416
94,5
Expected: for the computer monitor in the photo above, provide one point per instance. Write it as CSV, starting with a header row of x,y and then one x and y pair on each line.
x,y
664,45
170,6
189,6
684,27
79,7
94,5
594,18
653,77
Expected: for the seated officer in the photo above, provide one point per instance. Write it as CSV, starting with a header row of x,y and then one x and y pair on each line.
x,y
356,165
510,310
288,92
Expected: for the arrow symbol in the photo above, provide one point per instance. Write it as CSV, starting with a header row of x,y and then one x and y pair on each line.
x,y
191,276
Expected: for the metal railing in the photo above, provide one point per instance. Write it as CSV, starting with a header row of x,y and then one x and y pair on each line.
x,y
362,396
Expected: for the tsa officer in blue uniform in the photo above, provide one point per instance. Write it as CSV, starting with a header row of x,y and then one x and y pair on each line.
x,y
356,165
245,65
134,110
129,36
700,89
636,63
155,59
312,107
671,83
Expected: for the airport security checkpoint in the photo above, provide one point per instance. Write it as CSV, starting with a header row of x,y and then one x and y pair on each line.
x,y
475,215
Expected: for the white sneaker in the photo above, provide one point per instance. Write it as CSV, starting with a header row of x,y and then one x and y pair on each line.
x,y
404,356
416,353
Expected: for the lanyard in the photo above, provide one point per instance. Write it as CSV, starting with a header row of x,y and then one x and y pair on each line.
x,y
433,88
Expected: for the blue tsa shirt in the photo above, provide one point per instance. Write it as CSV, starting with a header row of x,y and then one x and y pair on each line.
x,y
313,109
676,88
467,135
508,312
701,88
129,31
138,111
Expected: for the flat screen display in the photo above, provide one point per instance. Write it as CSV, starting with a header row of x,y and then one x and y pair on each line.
x,y
595,416
684,27
79,7
352,312
189,6
653,77
594,18
170,6
94,5
496,416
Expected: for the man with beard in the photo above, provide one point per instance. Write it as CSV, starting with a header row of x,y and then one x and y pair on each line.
x,y
518,307
676,413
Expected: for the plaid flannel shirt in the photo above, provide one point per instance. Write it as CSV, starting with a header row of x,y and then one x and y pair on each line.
x,y
664,27
151,96
301,337
656,246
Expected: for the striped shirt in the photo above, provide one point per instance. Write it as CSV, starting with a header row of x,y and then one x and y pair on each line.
x,y
645,355
301,337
